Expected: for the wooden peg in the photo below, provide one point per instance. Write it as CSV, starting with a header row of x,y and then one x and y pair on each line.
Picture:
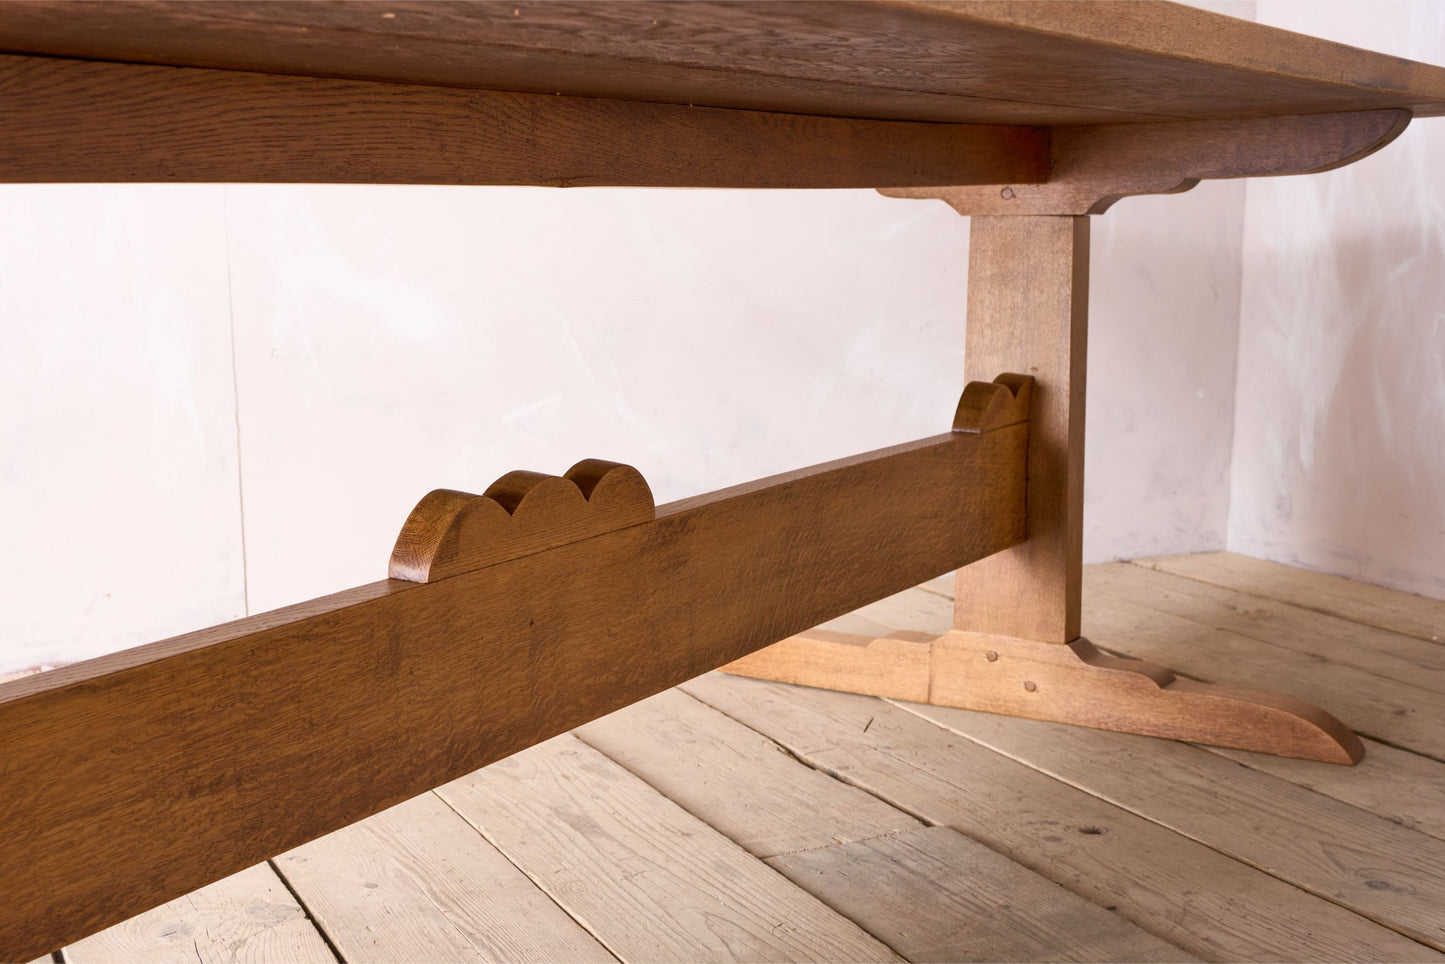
x,y
452,532
1078,684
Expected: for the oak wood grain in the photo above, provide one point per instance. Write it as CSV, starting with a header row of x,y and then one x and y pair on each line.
x,y
982,673
1176,887
1016,62
355,702
1028,302
72,120
523,512
1077,684
891,663
1073,684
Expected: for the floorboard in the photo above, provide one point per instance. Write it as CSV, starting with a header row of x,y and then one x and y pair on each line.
x,y
699,759
417,882
650,881
738,820
1387,872
1368,605
1384,709
928,892
247,917
940,896
1403,787
1404,659
1184,891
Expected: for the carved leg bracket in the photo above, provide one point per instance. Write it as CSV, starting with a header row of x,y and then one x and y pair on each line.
x,y
1070,683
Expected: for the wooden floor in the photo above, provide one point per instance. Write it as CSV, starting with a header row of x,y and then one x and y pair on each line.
x,y
743,821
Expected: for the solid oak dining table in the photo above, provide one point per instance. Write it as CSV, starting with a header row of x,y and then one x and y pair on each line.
x,y
546,601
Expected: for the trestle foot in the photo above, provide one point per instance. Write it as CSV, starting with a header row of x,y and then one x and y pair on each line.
x,y
1069,683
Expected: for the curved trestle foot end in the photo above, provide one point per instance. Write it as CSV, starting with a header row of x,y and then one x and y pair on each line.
x,y
1073,683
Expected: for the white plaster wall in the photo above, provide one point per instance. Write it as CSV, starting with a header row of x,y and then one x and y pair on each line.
x,y
1163,333
221,399
1339,454
389,342
118,481
392,340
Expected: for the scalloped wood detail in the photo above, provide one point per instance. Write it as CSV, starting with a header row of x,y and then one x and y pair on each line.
x,y
450,532
172,765
985,406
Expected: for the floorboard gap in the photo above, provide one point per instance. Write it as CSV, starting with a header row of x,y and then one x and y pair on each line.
x,y
1403,749
826,771
923,818
1286,650
1365,733
764,859
536,882
306,909
841,843
1298,885
1440,640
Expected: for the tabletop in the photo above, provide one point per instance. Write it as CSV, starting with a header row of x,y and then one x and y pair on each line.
x,y
959,61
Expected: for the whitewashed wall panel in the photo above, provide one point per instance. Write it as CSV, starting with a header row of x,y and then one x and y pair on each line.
x,y
1339,456
118,478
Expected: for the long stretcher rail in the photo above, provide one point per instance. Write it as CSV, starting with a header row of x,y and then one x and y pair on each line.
x,y
135,778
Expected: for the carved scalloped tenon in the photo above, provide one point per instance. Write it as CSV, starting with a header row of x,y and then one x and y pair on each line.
x,y
985,406
450,532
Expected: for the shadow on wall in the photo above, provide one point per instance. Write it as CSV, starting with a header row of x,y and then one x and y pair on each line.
x,y
1381,453
1340,446
1340,411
